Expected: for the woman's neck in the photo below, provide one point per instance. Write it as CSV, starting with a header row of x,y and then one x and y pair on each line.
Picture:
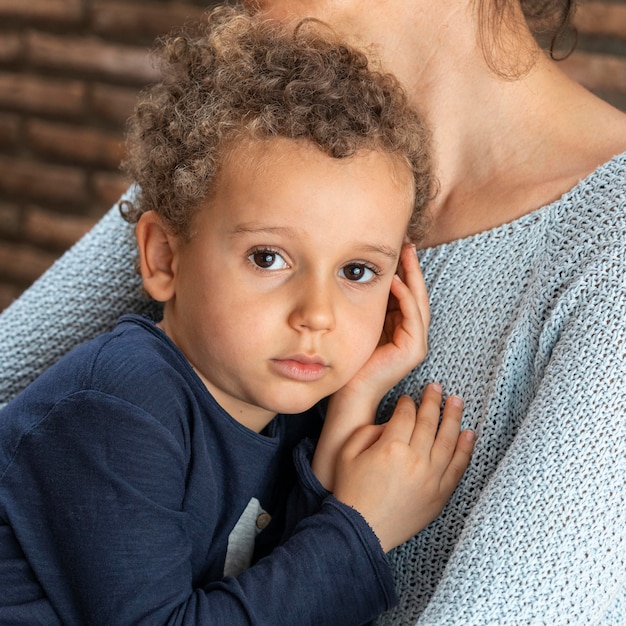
x,y
503,149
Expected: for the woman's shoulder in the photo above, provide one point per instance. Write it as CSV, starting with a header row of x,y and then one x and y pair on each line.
x,y
591,217
605,184
543,256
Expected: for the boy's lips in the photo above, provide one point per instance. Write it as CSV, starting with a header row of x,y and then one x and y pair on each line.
x,y
301,367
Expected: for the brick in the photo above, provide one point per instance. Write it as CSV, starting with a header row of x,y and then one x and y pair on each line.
x,y
9,130
55,10
144,21
91,56
596,71
8,293
108,188
112,103
36,94
9,219
75,143
10,47
31,180
54,229
601,18
24,263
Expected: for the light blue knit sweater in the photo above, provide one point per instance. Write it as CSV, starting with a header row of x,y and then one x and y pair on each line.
x,y
529,327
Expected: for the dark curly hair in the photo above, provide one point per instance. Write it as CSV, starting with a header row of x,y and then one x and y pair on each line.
x,y
549,17
550,21
233,77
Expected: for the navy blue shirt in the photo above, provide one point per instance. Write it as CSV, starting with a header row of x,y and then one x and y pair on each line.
x,y
129,496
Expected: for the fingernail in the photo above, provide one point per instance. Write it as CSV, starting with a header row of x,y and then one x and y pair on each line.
x,y
436,387
456,401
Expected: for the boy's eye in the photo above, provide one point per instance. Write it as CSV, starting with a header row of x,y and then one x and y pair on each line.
x,y
268,260
357,273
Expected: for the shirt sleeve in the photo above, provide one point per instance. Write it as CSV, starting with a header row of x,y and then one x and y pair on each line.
x,y
97,505
546,542
308,494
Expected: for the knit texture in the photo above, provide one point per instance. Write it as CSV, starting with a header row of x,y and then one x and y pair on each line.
x,y
529,327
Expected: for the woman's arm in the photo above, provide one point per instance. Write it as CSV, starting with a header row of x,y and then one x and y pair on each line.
x,y
80,296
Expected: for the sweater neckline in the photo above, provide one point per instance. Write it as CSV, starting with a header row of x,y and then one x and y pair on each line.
x,y
534,216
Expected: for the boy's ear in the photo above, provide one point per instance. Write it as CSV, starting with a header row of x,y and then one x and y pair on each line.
x,y
157,256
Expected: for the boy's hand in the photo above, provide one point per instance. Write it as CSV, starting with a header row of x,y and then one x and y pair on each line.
x,y
399,475
404,340
402,346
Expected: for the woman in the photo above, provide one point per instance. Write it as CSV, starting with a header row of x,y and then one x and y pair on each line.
x,y
524,261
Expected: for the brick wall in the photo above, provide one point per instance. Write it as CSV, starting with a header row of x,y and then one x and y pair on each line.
x,y
69,74
599,62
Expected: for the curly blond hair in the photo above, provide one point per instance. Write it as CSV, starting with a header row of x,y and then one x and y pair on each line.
x,y
231,77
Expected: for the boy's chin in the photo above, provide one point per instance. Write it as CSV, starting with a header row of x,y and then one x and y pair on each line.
x,y
297,405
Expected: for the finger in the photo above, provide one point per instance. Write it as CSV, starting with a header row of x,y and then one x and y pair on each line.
x,y
409,319
414,279
401,425
448,432
427,420
407,263
459,462
406,305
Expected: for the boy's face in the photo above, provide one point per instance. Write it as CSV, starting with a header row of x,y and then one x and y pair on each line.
x,y
280,295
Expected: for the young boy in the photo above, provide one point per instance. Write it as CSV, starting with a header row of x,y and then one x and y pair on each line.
x,y
150,476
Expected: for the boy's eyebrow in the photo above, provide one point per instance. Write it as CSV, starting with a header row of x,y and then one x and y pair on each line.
x,y
251,228
380,249
244,229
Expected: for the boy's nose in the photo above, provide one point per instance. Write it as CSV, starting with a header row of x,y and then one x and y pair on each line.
x,y
313,308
